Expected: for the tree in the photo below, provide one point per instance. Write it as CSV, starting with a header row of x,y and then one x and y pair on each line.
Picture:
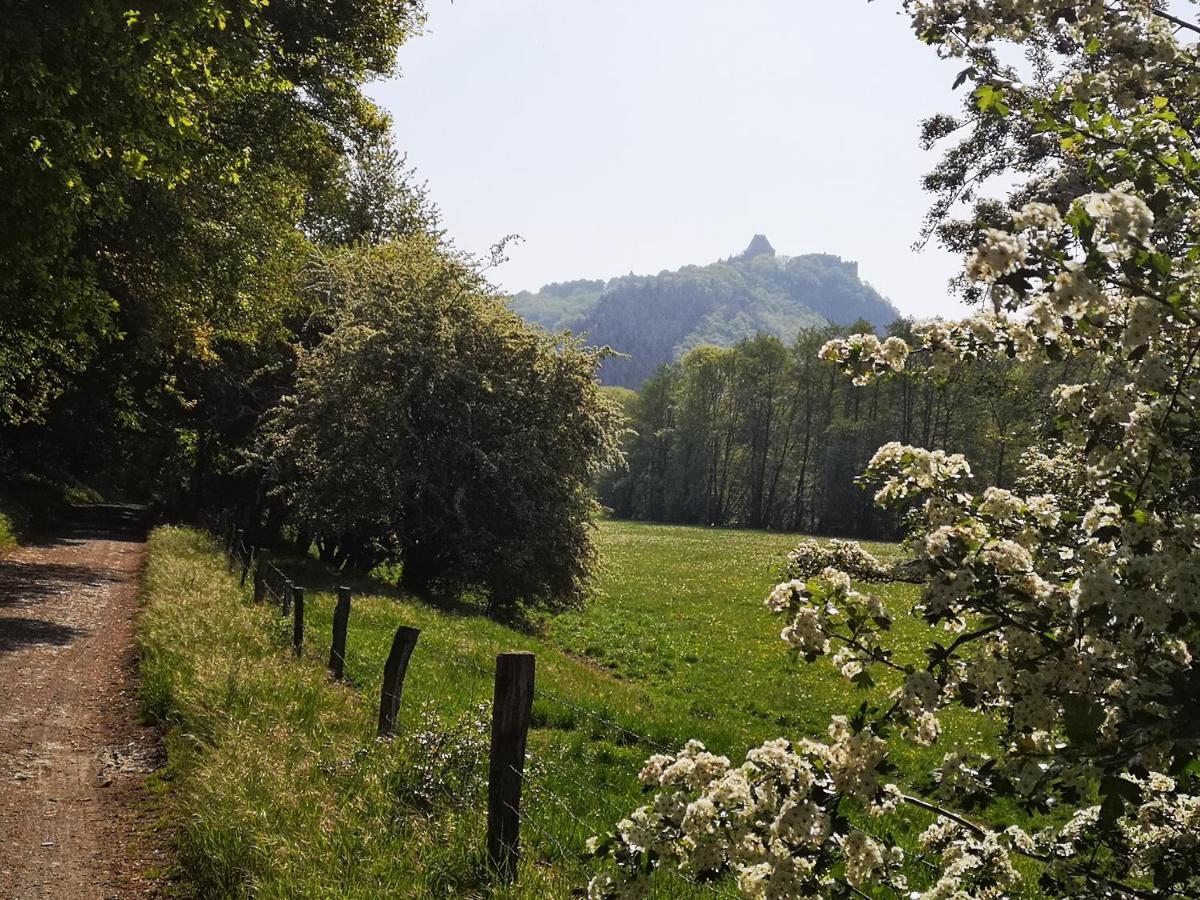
x,y
156,163
162,167
434,428
370,197
766,436
1072,601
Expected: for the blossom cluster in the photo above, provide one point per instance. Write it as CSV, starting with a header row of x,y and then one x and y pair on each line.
x,y
810,557
866,357
766,823
826,610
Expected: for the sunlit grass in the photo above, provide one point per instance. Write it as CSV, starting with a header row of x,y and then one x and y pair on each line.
x,y
282,790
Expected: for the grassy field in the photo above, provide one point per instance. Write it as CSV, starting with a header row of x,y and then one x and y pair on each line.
x,y
280,790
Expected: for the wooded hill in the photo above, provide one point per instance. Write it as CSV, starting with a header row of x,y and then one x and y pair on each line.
x,y
656,319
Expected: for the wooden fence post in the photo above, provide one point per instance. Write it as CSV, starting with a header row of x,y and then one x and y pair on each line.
x,y
341,618
260,577
298,620
246,563
393,678
512,706
286,608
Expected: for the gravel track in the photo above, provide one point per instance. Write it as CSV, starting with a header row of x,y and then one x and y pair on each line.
x,y
75,819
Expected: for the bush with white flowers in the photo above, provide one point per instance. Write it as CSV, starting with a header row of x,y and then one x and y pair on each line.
x,y
1072,603
811,557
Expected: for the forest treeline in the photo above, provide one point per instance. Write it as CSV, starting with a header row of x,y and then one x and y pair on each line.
x,y
168,174
765,434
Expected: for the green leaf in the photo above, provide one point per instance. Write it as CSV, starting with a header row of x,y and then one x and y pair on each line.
x,y
1082,718
1116,791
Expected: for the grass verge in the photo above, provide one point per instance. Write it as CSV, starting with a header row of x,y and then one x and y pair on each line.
x,y
276,783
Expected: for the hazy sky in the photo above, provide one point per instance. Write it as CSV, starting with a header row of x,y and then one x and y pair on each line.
x,y
641,135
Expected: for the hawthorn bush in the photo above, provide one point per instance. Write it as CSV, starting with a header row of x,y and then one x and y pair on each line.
x,y
432,427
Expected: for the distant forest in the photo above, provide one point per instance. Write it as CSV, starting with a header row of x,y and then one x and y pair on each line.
x,y
656,319
764,434
733,418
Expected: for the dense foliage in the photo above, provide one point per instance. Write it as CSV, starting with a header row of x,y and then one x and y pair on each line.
x,y
765,435
434,428
656,319
155,165
1071,603
193,192
167,172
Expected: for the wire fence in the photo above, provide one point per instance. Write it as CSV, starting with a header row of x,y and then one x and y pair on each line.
x,y
523,793
543,804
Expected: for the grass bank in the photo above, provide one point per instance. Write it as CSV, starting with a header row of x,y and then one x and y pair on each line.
x,y
12,518
277,785
280,789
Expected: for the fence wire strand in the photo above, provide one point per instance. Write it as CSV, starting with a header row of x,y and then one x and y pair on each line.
x,y
538,788
596,717
528,822
534,775
591,715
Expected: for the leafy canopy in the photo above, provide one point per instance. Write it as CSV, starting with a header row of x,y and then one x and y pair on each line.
x,y
156,162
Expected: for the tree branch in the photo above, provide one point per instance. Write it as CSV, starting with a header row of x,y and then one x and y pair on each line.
x,y
1175,20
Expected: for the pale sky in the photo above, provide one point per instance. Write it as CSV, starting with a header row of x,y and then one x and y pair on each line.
x,y
642,135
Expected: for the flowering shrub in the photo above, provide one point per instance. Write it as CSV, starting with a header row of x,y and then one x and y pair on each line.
x,y
811,557
447,760
1072,603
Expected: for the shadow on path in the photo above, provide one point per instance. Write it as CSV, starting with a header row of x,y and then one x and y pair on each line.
x,y
16,633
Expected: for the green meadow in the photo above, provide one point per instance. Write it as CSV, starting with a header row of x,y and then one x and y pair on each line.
x,y
278,788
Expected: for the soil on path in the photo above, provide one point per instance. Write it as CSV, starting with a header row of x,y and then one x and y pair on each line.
x,y
73,758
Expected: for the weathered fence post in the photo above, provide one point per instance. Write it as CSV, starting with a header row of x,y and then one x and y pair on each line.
x,y
298,620
260,577
341,618
286,608
512,705
393,678
247,562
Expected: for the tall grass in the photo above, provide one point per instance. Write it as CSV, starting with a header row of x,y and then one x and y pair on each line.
x,y
279,787
276,782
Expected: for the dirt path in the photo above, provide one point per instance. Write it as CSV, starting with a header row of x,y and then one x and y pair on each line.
x,y
72,757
